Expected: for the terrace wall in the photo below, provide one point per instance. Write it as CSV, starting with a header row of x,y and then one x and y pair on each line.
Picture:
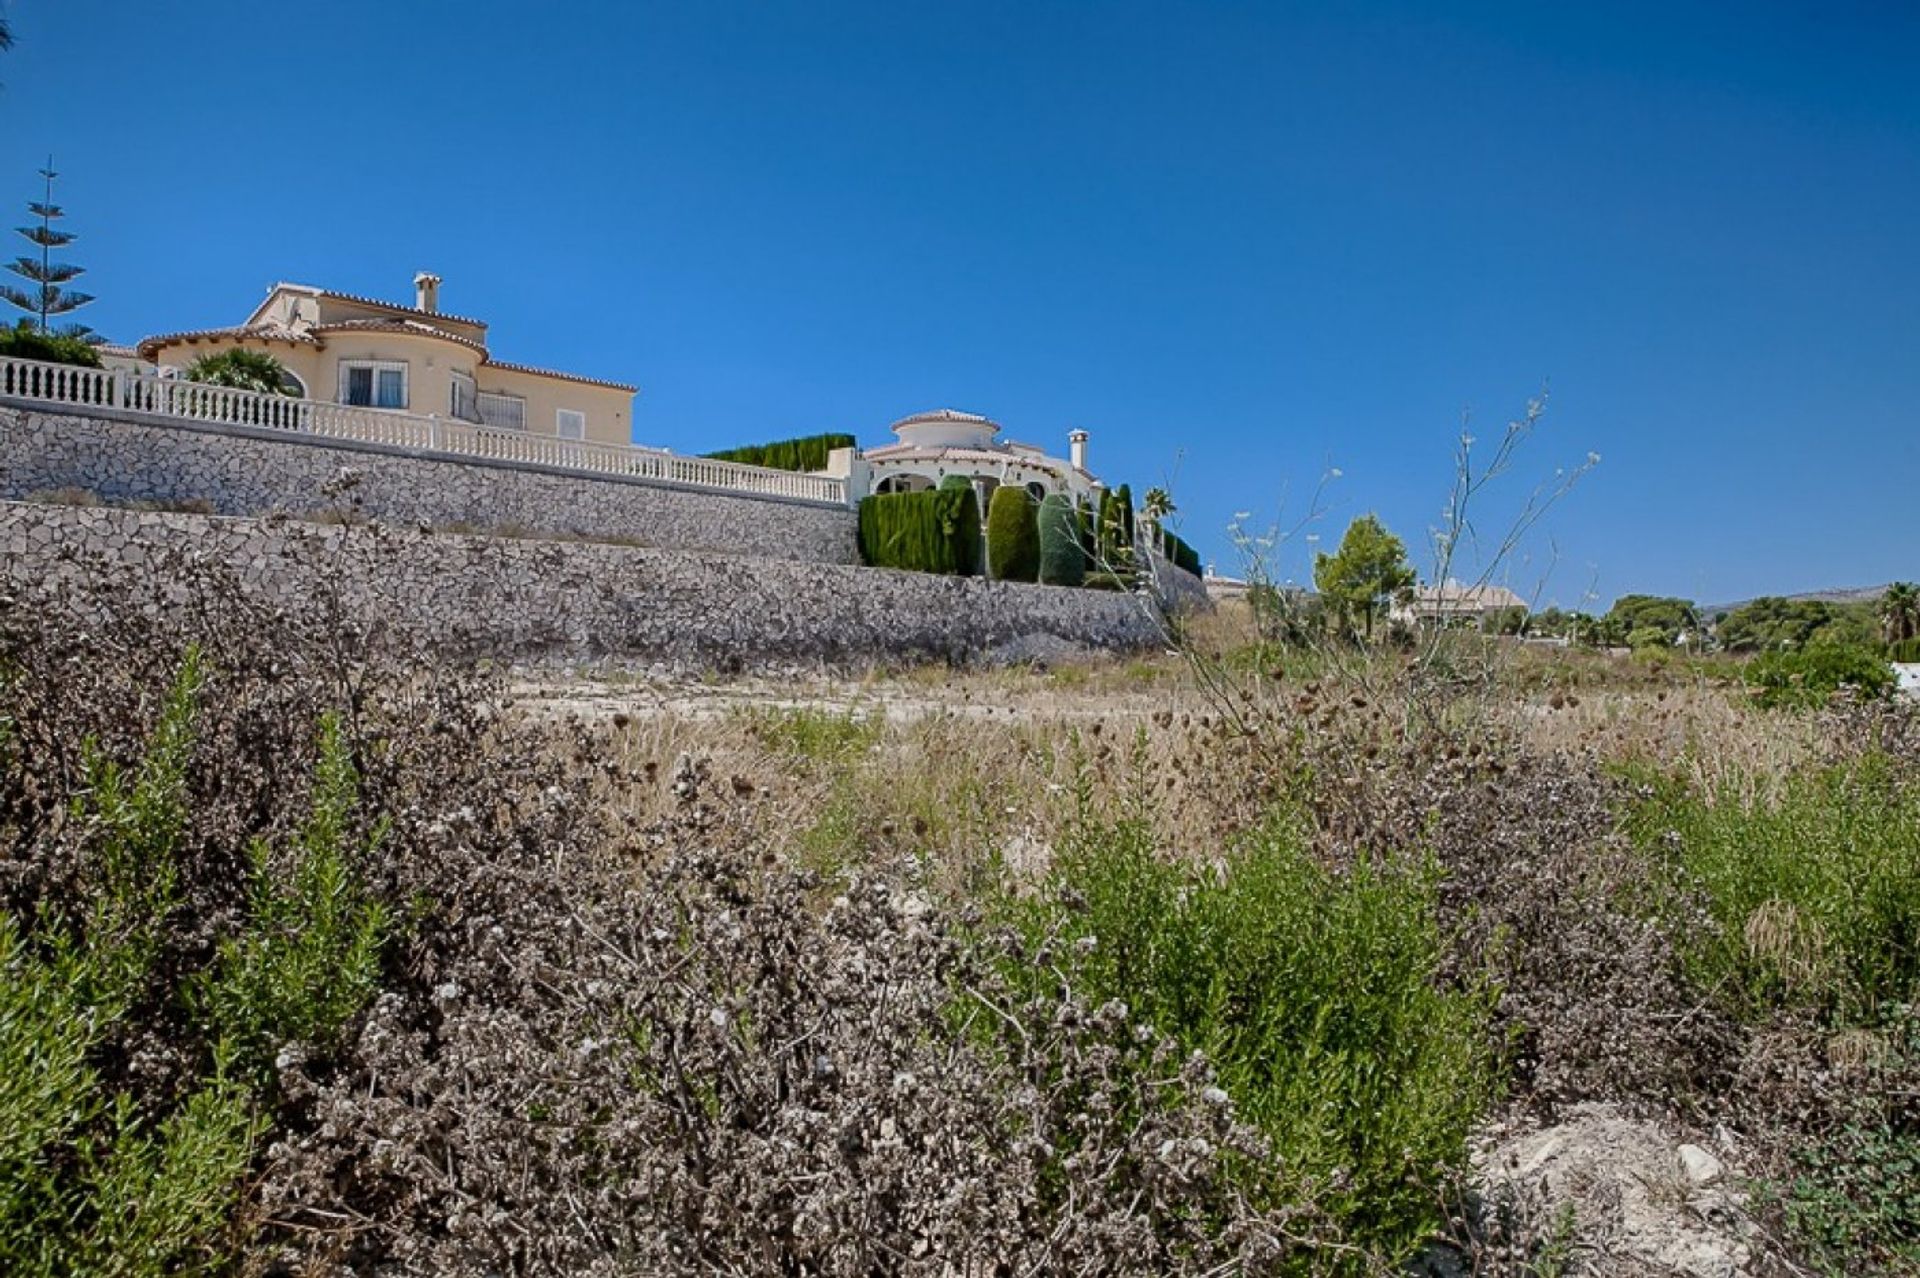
x,y
123,456
514,598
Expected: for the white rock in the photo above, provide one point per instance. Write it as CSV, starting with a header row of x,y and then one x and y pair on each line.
x,y
1701,1168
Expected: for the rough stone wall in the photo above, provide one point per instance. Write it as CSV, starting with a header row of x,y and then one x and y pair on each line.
x,y
511,598
243,470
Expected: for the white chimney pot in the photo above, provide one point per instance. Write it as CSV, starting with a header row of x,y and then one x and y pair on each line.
x,y
426,292
1077,449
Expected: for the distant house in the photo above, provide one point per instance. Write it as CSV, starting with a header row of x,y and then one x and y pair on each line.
x,y
416,359
1452,603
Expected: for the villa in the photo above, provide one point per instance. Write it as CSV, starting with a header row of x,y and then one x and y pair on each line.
x,y
1452,603
368,353
936,445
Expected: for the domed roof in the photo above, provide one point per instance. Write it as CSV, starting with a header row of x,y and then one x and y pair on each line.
x,y
945,417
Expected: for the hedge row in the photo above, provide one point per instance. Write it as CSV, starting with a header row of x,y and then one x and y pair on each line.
x,y
1179,553
805,454
26,342
936,531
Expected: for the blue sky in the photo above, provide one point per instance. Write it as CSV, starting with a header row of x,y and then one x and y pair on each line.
x,y
1240,244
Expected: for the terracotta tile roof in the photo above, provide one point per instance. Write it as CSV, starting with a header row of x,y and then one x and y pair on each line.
x,y
1453,596
565,377
412,328
939,415
358,300
242,332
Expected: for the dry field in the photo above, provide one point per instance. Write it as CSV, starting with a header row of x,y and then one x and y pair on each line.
x,y
324,957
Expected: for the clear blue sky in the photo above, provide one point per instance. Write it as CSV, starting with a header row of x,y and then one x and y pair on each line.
x,y
1238,243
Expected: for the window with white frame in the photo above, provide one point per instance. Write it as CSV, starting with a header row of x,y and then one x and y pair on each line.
x,y
572,423
373,383
509,412
461,394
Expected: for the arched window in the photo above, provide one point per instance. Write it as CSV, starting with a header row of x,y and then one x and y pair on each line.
x,y
1037,490
292,384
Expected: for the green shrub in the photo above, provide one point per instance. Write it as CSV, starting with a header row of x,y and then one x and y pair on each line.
x,y
1811,675
1906,651
936,531
807,453
1063,556
242,369
1013,536
93,1180
26,342
1178,553
1106,581
310,957
1315,993
1813,894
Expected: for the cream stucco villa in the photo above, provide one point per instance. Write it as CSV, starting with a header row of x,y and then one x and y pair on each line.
x,y
945,442
373,354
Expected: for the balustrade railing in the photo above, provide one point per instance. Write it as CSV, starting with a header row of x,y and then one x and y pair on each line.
x,y
195,401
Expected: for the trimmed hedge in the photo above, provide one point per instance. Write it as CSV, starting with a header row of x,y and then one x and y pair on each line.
x,y
936,531
27,342
1179,553
1013,536
808,453
1063,555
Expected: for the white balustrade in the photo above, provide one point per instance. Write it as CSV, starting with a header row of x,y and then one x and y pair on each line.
x,y
66,384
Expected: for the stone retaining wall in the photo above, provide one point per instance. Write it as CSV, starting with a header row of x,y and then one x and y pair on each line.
x,y
511,598
242,470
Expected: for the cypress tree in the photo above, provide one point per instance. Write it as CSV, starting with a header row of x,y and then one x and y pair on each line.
x,y
1063,556
1013,536
47,298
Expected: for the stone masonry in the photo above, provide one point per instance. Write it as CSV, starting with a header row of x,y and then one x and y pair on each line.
x,y
514,598
241,470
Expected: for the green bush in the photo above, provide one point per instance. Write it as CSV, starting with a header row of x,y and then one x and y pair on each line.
x,y
936,531
91,1179
1813,894
1063,556
1907,650
26,342
1106,581
1178,553
1013,536
1811,675
808,453
1315,993
242,369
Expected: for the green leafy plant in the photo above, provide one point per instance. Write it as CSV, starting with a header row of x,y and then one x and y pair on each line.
x,y
23,341
242,369
1813,892
1315,993
310,957
1809,676
1013,536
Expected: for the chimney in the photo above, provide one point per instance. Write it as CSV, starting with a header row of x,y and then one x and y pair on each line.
x,y
426,292
1077,449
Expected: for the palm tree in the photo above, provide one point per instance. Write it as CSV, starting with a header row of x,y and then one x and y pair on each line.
x,y
1157,504
241,369
1900,612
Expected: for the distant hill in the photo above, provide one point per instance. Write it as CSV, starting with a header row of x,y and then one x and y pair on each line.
x,y
1838,595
